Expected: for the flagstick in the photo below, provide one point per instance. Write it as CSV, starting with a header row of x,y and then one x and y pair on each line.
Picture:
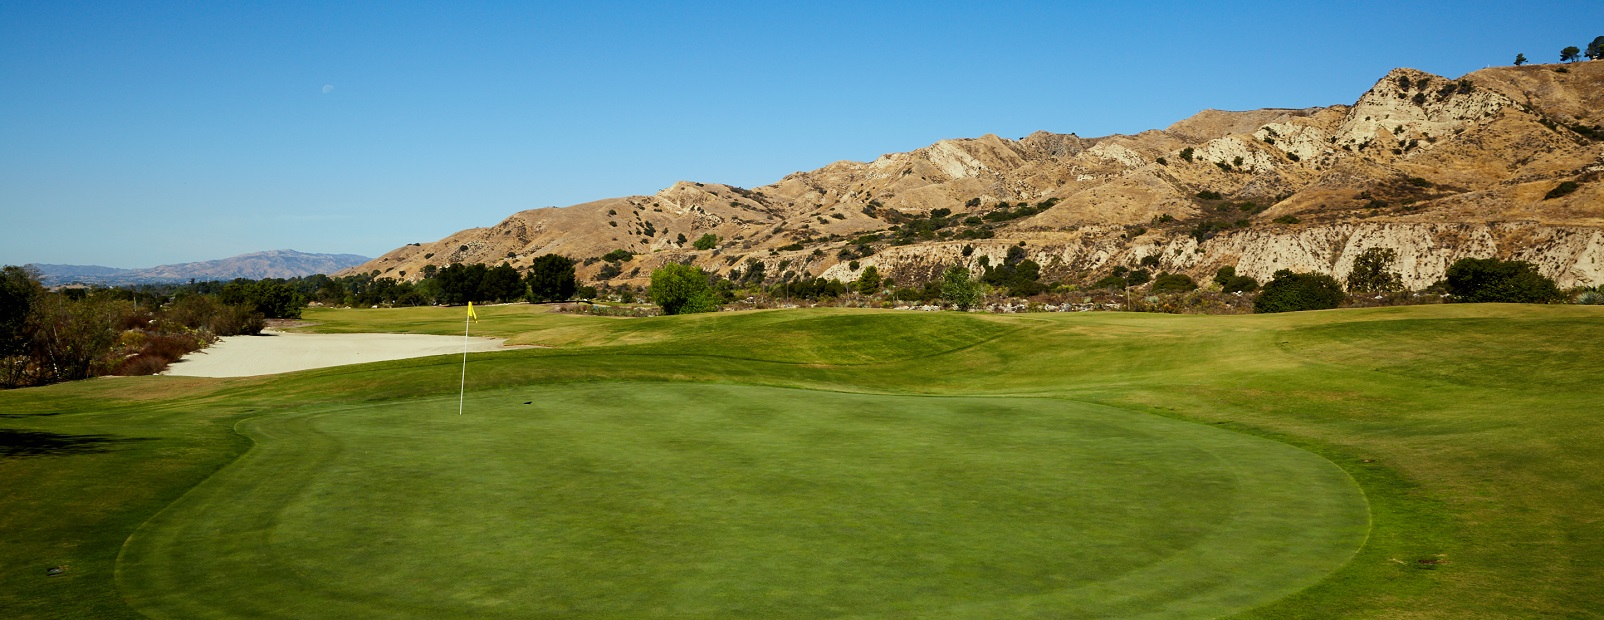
x,y
463,389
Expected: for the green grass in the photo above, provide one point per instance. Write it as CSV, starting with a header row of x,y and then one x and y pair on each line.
x,y
655,447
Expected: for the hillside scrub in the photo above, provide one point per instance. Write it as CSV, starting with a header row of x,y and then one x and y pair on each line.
x,y
1294,292
50,337
1475,280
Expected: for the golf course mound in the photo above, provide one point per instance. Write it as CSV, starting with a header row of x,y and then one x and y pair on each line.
x,y
652,499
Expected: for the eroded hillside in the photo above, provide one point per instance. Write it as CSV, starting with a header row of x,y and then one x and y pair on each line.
x,y
1435,168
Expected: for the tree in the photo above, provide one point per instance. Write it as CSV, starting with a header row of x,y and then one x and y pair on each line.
x,y
869,281
19,288
551,278
706,242
501,283
1570,54
1372,272
682,289
1293,292
958,289
1480,280
72,337
1595,50
1520,59
274,298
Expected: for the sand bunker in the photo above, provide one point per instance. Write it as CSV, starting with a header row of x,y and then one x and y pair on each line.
x,y
276,352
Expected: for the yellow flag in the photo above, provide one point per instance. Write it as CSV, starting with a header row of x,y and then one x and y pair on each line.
x,y
471,315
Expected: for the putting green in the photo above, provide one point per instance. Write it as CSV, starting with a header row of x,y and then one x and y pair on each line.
x,y
688,500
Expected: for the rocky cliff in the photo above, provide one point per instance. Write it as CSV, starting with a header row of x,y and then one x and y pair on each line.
x,y
1501,162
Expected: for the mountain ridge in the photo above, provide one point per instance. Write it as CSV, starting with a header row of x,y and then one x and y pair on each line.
x,y
1432,167
253,266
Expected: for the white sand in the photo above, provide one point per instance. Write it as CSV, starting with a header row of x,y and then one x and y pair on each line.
x,y
276,352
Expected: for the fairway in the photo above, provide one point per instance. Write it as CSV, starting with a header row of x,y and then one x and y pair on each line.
x,y
651,499
1420,462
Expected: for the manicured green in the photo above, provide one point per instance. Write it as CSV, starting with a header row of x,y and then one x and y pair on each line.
x,y
1472,431
684,500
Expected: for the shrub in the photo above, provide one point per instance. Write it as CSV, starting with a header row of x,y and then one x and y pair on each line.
x,y
1162,162
1293,292
1186,153
706,242
1224,274
1151,260
1480,280
619,255
1173,283
1561,190
1286,219
1239,284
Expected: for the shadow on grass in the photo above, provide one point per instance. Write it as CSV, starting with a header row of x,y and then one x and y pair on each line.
x,y
16,443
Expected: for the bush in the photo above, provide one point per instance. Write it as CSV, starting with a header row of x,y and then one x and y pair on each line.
x,y
1562,189
1239,284
1286,219
1482,280
1186,153
682,289
706,242
1173,283
618,256
1224,274
1293,292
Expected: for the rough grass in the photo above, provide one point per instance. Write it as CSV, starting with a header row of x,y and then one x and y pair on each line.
x,y
1472,429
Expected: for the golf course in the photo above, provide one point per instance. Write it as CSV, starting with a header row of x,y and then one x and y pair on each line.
x,y
1408,462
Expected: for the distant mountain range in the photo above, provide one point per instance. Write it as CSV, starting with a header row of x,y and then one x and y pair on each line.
x,y
254,266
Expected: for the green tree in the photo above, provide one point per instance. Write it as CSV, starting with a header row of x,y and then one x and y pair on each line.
x,y
1595,50
706,242
868,282
551,278
958,289
1570,54
682,289
502,283
1478,280
274,298
1520,59
19,288
1373,273
1293,292
72,337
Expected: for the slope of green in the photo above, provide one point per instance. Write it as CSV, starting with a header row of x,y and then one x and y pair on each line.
x,y
1472,430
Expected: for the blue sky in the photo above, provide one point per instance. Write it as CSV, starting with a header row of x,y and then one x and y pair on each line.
x,y
141,133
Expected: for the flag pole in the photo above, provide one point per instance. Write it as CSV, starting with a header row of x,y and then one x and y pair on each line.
x,y
462,389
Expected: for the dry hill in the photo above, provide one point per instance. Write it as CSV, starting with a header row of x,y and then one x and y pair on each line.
x,y
1435,168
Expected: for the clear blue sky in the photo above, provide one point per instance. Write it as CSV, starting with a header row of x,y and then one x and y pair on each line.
x,y
139,133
